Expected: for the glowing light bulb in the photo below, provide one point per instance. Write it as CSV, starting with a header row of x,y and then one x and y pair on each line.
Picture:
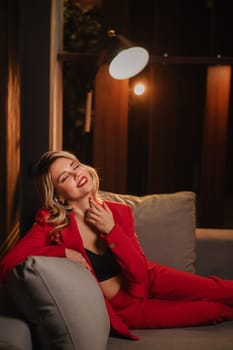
x,y
139,89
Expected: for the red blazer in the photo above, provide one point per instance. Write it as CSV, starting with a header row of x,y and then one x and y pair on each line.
x,y
122,240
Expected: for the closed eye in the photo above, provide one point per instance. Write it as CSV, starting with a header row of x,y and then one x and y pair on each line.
x,y
65,175
64,178
76,166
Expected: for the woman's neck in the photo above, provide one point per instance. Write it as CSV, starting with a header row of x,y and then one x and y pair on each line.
x,y
80,206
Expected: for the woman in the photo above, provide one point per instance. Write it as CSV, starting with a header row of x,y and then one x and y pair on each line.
x,y
75,223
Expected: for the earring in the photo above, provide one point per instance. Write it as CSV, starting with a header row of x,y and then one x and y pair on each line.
x,y
61,200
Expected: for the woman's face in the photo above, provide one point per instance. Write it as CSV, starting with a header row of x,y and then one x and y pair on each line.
x,y
71,180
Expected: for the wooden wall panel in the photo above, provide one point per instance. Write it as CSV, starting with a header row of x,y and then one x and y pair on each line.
x,y
214,146
175,122
10,125
110,131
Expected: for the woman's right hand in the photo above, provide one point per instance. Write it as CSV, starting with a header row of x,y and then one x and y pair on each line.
x,y
77,257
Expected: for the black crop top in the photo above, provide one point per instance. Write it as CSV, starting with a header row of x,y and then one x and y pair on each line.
x,y
105,265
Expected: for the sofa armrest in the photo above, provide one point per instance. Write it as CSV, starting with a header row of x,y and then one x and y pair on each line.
x,y
214,252
14,334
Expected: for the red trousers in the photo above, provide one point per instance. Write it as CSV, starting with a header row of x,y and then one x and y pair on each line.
x,y
176,299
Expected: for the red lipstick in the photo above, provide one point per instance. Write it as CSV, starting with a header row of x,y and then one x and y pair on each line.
x,y
82,181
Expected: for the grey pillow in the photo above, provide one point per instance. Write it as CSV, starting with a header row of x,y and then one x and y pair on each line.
x,y
165,224
62,302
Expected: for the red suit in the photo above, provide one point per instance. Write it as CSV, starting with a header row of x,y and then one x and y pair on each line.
x,y
155,297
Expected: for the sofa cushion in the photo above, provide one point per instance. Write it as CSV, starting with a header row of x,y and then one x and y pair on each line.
x,y
165,224
52,295
213,337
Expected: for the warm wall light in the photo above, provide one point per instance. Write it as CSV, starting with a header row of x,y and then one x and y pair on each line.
x,y
139,89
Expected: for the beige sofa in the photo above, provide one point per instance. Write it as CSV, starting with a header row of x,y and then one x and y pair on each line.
x,y
53,303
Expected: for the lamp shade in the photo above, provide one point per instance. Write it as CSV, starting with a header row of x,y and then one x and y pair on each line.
x,y
125,59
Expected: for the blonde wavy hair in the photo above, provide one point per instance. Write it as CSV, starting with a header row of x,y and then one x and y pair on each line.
x,y
47,194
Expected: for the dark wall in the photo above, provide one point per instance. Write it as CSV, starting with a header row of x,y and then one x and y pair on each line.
x,y
183,27
165,136
34,63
